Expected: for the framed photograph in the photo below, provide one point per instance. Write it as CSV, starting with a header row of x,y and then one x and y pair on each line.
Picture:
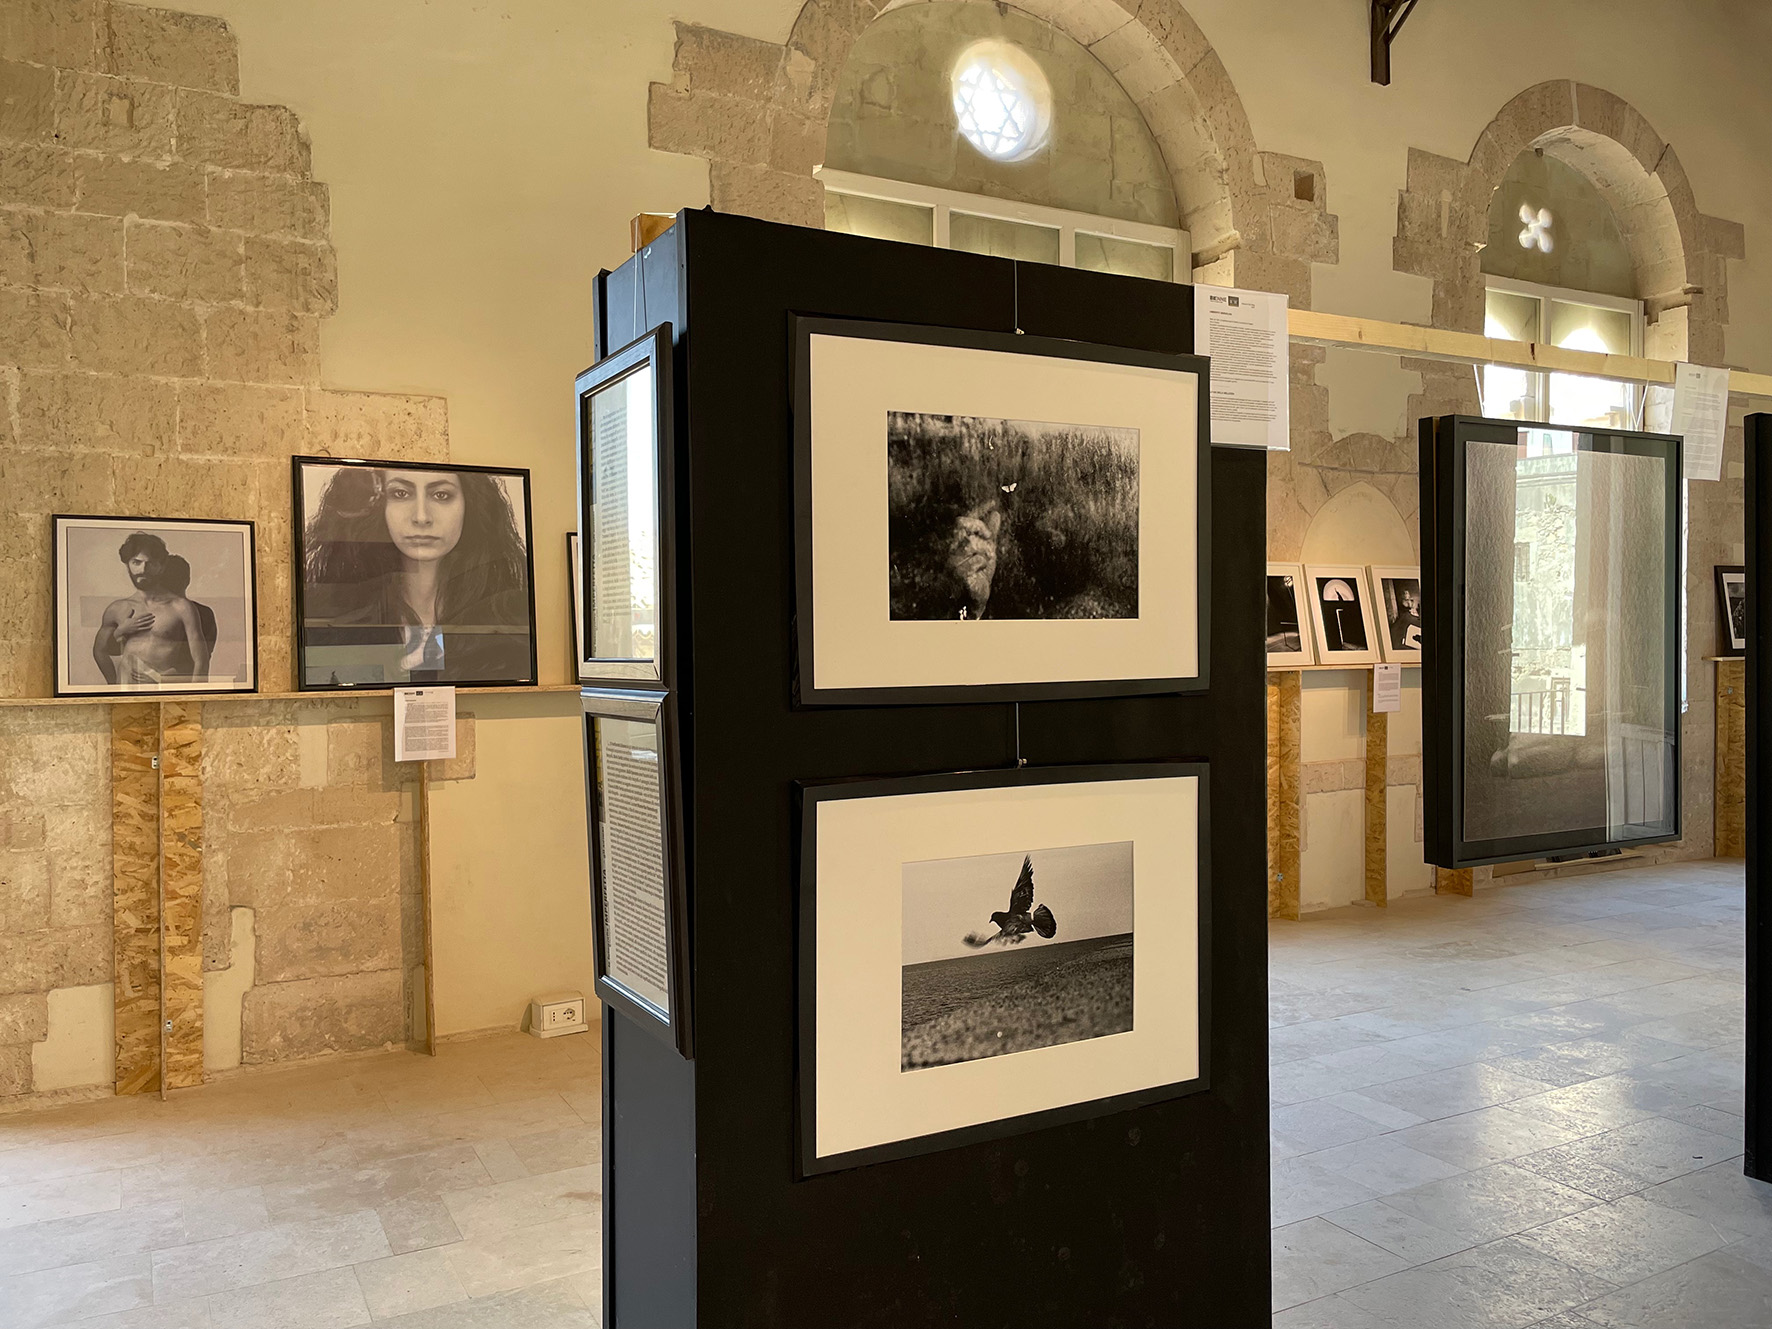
x,y
153,605
1732,610
1396,594
412,572
1288,630
639,907
625,485
1551,666
583,667
1341,614
990,953
982,516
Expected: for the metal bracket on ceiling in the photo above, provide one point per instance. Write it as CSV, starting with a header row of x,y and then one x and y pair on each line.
x,y
1388,18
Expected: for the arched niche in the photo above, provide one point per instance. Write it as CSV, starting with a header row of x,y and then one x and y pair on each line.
x,y
758,113
1360,525
1677,253
892,116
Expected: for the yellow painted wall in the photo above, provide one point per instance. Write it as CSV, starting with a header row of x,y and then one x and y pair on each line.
x,y
484,161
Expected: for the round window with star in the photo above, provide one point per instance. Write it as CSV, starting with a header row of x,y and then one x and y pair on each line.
x,y
1002,101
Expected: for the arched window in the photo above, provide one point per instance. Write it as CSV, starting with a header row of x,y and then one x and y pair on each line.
x,y
1558,271
944,131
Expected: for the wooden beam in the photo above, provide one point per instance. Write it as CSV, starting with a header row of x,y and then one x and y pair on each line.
x,y
1369,334
1283,809
424,885
1377,804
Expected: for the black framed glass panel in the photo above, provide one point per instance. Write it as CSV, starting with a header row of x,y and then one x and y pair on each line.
x,y
1551,558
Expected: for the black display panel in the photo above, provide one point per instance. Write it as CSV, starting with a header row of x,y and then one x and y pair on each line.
x,y
1550,670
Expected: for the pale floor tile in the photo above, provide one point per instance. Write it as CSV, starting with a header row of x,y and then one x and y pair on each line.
x,y
60,1197
226,1263
331,1299
74,1291
1316,1259
401,1284
1581,1100
515,1259
488,1211
499,1160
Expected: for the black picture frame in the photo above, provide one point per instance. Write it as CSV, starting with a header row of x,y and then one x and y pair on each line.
x,y
801,331
1728,643
810,795
57,592
675,1027
650,350
1443,443
298,465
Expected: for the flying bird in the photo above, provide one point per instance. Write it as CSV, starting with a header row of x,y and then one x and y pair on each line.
x,y
1021,918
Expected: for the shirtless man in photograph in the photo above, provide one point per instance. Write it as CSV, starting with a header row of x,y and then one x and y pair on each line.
x,y
156,635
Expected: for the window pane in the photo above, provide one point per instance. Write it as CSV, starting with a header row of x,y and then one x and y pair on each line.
x,y
1129,258
1005,239
1510,394
1577,400
1567,722
881,219
1584,328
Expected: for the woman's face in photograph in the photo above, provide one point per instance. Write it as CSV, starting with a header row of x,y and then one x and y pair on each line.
x,y
424,511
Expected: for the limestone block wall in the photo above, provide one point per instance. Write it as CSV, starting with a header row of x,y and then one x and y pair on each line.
x,y
165,265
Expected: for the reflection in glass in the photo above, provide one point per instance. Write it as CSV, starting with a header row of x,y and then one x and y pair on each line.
x,y
624,515
1568,723
1005,239
630,828
1129,258
880,218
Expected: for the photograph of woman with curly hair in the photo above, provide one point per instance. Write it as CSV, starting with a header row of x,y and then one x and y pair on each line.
x,y
413,574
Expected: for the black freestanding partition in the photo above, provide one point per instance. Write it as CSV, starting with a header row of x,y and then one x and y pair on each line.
x,y
1758,546
1154,1216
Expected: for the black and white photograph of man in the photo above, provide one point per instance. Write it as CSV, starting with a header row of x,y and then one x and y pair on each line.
x,y
156,605
1732,610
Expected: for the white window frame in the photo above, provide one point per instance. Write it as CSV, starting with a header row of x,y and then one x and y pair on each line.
x,y
1068,224
1544,294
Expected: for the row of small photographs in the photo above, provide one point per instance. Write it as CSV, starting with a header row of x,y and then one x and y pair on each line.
x,y
1356,615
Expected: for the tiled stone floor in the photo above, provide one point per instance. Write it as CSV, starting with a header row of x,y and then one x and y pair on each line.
x,y
459,1193
1518,1109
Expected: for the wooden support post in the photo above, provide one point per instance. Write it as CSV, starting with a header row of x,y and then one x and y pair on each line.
x,y
1377,829
135,889
181,893
1454,881
1283,809
1731,759
424,882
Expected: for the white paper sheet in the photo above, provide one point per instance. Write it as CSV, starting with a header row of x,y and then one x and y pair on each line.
x,y
1701,414
424,724
1387,688
1244,334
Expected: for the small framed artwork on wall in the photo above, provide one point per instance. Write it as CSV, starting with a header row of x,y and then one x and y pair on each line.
x,y
1341,614
990,953
989,517
1397,600
1732,610
1288,630
154,605
412,572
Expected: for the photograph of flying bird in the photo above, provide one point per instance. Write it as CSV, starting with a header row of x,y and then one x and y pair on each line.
x,y
1021,918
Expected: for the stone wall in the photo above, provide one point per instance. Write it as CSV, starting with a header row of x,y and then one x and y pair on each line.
x,y
164,269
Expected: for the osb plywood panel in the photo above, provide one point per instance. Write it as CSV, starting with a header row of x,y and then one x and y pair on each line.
x,y
1731,759
1282,794
135,866
1454,881
1377,769
181,843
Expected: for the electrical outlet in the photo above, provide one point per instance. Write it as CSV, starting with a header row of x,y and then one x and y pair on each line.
x,y
557,1013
